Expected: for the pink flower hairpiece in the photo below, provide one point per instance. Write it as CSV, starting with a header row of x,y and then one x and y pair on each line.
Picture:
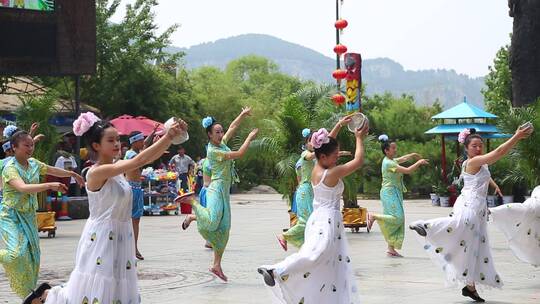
x,y
463,135
320,138
85,121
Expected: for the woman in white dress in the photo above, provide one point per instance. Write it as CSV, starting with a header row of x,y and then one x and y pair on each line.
x,y
520,224
105,265
459,243
321,271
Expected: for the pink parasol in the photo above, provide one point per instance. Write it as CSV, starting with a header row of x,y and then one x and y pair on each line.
x,y
126,124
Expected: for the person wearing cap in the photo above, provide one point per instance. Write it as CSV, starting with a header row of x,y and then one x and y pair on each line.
x,y
137,143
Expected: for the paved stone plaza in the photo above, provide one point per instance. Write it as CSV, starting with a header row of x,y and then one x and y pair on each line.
x,y
175,269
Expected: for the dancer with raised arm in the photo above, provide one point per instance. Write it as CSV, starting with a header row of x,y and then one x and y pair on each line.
x,y
105,265
459,243
214,220
304,191
321,271
18,225
392,221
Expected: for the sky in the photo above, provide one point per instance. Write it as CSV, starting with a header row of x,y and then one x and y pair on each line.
x,y
462,35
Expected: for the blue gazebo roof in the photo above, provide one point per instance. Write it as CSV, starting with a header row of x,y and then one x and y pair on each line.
x,y
464,110
456,128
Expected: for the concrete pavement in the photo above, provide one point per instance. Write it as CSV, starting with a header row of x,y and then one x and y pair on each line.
x,y
175,269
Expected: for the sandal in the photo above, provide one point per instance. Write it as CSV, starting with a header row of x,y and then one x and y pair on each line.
x,y
393,254
185,223
139,256
36,294
466,292
218,274
282,243
268,276
208,246
419,228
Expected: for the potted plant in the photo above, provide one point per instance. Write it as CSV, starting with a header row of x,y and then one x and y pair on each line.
x,y
444,195
435,200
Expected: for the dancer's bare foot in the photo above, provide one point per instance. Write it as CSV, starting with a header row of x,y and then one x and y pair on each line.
x,y
218,272
393,253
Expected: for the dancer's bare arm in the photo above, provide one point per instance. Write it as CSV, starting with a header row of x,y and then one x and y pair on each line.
x,y
348,168
412,168
474,164
243,149
407,157
97,176
340,124
236,123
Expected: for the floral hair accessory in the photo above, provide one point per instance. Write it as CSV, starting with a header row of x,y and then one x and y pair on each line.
x,y
10,130
207,122
85,121
320,138
6,146
463,135
306,132
383,137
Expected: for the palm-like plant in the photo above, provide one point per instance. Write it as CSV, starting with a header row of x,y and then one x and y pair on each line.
x,y
300,110
526,155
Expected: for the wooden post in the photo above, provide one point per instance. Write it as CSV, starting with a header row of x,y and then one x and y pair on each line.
x,y
443,161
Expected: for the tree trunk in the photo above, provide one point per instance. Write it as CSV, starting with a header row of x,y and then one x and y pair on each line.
x,y
525,51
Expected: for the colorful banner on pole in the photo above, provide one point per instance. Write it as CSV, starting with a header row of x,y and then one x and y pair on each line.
x,y
353,65
40,5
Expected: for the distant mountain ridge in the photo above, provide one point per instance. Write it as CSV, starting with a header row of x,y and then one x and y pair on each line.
x,y
379,75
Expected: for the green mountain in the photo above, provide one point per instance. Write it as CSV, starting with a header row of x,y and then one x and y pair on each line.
x,y
379,75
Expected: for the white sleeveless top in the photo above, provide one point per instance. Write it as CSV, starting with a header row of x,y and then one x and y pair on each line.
x,y
327,197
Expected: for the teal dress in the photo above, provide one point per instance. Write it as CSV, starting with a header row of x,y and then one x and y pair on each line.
x,y
207,171
214,220
392,222
304,202
18,227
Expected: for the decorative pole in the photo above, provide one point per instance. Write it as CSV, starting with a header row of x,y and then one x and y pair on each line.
x,y
339,49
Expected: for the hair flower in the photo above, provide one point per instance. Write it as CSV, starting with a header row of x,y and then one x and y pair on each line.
x,y
207,122
320,138
84,122
463,135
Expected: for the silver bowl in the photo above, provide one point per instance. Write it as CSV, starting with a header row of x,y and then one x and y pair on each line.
x,y
357,122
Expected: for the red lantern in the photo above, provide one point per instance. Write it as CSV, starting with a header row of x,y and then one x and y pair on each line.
x,y
340,49
339,74
338,99
341,24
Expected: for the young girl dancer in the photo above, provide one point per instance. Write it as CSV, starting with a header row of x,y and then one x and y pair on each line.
x,y
392,221
459,243
105,265
520,224
321,271
214,220
304,191
21,183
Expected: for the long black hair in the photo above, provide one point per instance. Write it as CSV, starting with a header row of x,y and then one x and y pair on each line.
x,y
95,133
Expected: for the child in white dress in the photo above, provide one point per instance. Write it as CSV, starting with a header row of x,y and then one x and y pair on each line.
x,y
459,243
105,265
321,271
